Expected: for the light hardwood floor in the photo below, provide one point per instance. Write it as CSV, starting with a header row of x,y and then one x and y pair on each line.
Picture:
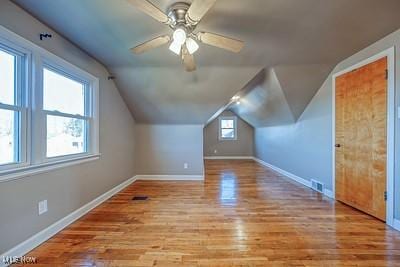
x,y
242,215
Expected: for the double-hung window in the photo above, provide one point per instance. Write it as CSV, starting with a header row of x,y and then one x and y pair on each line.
x,y
227,128
67,113
12,108
48,110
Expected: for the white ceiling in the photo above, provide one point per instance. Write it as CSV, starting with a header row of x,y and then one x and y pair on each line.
x,y
302,40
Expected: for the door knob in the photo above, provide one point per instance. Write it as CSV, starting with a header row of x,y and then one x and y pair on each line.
x,y
337,145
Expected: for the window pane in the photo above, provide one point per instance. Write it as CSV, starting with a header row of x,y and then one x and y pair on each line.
x,y
65,136
62,94
226,123
227,133
7,82
8,136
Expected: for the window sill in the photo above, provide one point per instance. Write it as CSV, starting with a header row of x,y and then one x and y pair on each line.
x,y
21,172
227,139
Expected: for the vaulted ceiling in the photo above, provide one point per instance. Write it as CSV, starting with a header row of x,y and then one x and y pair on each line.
x,y
291,46
279,95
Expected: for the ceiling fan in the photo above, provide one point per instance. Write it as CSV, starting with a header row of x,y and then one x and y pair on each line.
x,y
183,18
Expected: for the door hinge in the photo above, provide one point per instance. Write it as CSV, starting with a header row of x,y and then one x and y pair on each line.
x,y
386,74
385,195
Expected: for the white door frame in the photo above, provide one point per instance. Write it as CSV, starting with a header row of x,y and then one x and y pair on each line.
x,y
390,54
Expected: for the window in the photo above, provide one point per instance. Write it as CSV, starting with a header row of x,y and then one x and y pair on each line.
x,y
48,113
227,128
12,112
66,114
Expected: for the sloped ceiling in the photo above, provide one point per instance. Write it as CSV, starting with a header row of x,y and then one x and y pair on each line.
x,y
263,102
295,42
195,98
300,83
279,95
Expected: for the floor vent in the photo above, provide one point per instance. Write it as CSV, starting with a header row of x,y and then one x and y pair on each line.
x,y
140,198
317,186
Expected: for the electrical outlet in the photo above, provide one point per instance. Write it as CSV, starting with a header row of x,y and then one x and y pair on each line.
x,y
42,206
185,165
215,151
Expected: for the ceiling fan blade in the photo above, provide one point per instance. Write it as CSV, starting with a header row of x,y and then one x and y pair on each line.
x,y
188,59
150,9
221,41
154,43
198,9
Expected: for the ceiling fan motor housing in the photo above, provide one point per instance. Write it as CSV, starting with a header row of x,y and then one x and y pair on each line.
x,y
179,18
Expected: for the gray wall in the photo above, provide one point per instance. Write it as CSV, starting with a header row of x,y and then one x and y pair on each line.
x,y
243,146
69,188
164,149
304,148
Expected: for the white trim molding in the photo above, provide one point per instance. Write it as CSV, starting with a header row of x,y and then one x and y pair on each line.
x,y
328,193
170,177
292,176
37,239
391,119
396,224
228,157
45,167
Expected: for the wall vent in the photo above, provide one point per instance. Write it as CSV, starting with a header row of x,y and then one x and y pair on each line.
x,y
317,186
140,198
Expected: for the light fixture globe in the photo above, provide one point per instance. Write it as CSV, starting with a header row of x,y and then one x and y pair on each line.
x,y
179,36
191,45
175,47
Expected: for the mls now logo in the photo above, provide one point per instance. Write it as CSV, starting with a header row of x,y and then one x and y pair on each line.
x,y
8,260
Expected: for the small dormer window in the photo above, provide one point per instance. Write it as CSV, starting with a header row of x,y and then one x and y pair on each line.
x,y
227,128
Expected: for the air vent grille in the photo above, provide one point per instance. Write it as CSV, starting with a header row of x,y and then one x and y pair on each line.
x,y
317,186
140,198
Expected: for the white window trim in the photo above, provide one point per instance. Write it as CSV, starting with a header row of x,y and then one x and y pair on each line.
x,y
35,161
22,107
234,118
68,72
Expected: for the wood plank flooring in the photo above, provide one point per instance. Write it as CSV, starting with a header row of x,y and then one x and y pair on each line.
x,y
242,215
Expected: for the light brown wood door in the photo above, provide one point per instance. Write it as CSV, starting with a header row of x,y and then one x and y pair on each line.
x,y
361,112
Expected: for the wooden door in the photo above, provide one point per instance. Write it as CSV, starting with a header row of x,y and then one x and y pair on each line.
x,y
361,112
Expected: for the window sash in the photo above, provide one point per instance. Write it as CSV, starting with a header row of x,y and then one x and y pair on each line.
x,y
10,107
234,128
16,137
223,137
87,88
66,115
20,137
86,134
19,71
87,117
21,124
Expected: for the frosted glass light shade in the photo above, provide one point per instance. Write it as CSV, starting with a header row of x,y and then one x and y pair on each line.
x,y
175,47
179,36
191,45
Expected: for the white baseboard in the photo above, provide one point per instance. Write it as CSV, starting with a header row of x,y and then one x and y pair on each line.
x,y
396,224
34,241
170,177
285,173
292,176
229,157
328,193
